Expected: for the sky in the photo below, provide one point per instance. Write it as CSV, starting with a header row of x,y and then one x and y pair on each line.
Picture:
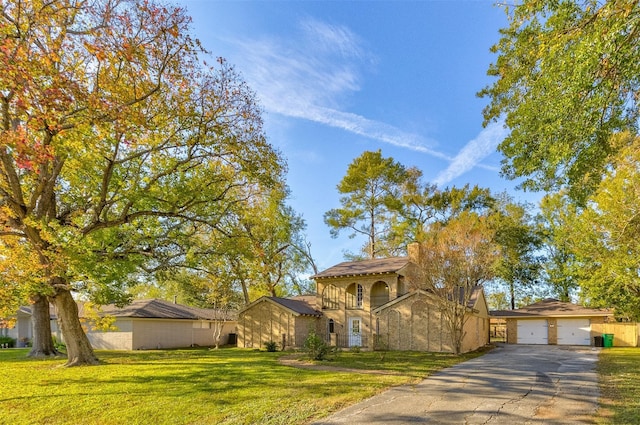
x,y
337,78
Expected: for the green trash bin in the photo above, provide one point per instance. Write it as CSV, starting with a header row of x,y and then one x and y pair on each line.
x,y
608,340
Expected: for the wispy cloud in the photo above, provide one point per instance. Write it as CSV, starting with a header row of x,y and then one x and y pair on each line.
x,y
473,152
312,74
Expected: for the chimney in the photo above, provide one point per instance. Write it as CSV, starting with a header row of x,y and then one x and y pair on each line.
x,y
414,250
175,299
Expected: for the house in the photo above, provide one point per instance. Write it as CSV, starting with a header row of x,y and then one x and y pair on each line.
x,y
143,324
553,322
363,304
155,323
286,321
20,329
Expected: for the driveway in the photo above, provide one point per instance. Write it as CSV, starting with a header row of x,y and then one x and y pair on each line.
x,y
512,384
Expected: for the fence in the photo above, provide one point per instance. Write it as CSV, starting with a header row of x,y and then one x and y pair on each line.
x,y
624,334
344,341
498,330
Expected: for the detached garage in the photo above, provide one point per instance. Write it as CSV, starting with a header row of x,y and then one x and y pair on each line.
x,y
552,322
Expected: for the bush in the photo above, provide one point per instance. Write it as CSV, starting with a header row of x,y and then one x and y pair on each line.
x,y
271,346
7,340
316,347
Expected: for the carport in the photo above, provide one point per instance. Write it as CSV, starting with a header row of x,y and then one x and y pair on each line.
x,y
552,322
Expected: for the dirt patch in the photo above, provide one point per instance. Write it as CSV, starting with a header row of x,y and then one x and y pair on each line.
x,y
297,361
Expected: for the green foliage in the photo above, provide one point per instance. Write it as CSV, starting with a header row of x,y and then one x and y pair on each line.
x,y
129,157
370,198
316,347
561,268
7,340
566,80
59,345
498,301
606,236
271,346
425,204
518,266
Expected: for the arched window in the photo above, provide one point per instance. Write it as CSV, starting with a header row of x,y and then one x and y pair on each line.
x,y
332,326
355,296
379,294
330,298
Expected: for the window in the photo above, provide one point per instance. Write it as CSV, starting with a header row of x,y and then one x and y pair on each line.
x,y
332,326
355,296
330,298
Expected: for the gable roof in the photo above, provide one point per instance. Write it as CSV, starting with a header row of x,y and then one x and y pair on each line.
x,y
471,303
364,267
161,309
300,306
551,307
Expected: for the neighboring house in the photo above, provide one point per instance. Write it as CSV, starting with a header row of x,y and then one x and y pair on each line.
x,y
553,322
155,323
21,329
143,324
363,304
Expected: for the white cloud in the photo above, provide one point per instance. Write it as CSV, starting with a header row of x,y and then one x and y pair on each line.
x,y
309,76
473,152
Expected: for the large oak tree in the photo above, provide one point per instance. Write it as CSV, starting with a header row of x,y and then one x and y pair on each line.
x,y
118,148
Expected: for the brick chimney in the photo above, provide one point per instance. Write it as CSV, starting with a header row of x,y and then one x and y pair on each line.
x,y
414,250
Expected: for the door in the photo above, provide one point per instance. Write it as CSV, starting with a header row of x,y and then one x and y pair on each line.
x,y
533,331
574,332
355,332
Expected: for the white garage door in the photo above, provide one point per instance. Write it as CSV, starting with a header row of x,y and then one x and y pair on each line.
x,y
533,331
574,332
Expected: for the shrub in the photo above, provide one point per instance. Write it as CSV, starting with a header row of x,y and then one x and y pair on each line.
x,y
316,347
7,340
271,346
58,345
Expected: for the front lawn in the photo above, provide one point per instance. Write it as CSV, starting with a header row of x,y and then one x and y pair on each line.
x,y
619,371
227,386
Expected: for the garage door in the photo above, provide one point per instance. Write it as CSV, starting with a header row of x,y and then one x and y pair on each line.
x,y
574,332
533,331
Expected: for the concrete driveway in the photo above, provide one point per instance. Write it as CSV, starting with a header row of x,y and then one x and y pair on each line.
x,y
512,384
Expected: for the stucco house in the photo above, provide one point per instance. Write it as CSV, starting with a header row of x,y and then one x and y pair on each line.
x,y
363,304
554,322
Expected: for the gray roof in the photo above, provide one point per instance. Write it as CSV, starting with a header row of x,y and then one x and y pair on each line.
x,y
551,308
364,267
161,309
300,305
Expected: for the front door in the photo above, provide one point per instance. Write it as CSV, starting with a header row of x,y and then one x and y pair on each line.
x,y
355,332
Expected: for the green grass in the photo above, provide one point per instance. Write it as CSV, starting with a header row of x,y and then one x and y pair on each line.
x,y
408,363
619,371
227,386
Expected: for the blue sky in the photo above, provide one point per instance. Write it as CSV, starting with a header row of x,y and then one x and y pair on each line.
x,y
337,78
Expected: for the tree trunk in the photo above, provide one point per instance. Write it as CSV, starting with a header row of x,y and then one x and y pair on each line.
x,y
512,294
42,344
79,350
